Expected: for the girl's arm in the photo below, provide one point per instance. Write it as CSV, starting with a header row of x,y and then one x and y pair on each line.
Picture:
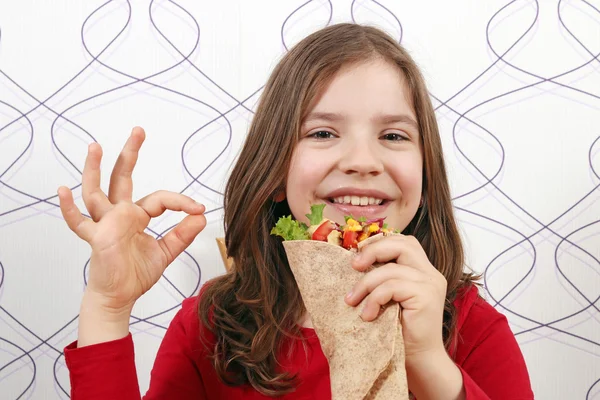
x,y
490,359
442,378
124,264
488,364
107,370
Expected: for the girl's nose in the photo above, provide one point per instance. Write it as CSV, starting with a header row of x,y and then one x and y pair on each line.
x,y
362,158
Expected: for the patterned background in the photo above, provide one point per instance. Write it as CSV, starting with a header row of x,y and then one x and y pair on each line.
x,y
517,90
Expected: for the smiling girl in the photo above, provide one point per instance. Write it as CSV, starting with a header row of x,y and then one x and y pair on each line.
x,y
345,119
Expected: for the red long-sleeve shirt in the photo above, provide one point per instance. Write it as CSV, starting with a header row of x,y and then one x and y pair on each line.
x,y
488,355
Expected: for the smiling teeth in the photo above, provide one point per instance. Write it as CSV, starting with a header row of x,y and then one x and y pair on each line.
x,y
357,201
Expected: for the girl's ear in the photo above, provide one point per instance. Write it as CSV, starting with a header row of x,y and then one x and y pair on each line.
x,y
421,201
279,196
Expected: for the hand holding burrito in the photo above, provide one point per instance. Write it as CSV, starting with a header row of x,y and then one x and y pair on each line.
x,y
408,278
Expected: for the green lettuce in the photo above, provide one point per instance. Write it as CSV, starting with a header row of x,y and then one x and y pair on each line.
x,y
316,214
290,229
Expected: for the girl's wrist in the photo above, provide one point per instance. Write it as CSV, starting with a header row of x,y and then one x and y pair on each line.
x,y
434,375
99,324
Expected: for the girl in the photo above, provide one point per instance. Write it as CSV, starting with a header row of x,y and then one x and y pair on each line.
x,y
345,119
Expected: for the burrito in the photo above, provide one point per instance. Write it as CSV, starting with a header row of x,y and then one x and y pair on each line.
x,y
366,359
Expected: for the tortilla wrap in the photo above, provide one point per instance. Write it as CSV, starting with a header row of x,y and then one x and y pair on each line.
x,y
366,359
227,261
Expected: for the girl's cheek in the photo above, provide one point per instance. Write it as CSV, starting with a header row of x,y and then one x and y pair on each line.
x,y
408,175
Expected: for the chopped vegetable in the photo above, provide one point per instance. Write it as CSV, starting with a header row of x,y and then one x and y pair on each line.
x,y
349,240
316,214
290,229
322,229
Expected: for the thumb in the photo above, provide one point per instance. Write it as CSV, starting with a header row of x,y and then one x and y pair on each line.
x,y
180,237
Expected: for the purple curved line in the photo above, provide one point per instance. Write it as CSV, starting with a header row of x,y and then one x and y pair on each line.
x,y
28,144
121,87
481,172
544,226
294,12
444,103
95,57
587,395
556,262
60,115
43,102
525,239
187,58
591,162
42,341
196,177
47,107
494,185
553,78
501,57
56,380
488,180
386,9
32,362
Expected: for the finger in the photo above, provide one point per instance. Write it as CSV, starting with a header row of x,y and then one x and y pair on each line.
x,y
121,184
398,248
379,276
83,227
180,237
157,203
94,198
394,289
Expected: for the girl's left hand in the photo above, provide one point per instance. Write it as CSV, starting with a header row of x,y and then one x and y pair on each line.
x,y
409,279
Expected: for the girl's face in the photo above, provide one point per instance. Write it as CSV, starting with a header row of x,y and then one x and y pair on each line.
x,y
359,150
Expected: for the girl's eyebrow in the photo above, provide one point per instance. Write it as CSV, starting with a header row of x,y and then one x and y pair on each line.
x,y
392,118
324,116
380,118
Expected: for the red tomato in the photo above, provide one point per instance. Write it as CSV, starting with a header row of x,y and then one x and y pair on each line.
x,y
323,230
349,241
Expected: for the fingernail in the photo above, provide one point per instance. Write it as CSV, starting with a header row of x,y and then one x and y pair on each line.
x,y
357,257
349,295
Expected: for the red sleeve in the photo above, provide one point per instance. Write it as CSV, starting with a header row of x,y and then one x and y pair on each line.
x,y
107,370
489,357
103,371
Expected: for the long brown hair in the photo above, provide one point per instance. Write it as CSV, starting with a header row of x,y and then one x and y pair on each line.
x,y
256,305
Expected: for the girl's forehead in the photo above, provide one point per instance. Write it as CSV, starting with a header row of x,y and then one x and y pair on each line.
x,y
370,88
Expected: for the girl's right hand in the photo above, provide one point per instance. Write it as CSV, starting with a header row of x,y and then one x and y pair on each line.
x,y
125,261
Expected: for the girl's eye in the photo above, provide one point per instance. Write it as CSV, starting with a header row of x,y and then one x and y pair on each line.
x,y
321,135
394,137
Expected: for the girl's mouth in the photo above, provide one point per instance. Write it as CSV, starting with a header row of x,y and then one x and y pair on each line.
x,y
357,200
368,207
